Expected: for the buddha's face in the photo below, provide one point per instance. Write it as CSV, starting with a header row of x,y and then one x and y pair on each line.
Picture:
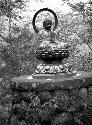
x,y
47,24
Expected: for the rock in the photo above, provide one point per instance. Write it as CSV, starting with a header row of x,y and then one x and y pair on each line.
x,y
28,97
32,115
90,91
89,100
6,99
22,122
68,81
48,110
75,92
86,118
77,119
35,102
86,113
62,119
54,101
14,121
83,93
61,100
16,98
89,104
75,104
44,96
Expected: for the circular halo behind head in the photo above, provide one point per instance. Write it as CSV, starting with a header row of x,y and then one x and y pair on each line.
x,y
44,9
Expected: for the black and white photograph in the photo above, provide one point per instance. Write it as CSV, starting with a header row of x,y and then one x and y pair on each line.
x,y
45,62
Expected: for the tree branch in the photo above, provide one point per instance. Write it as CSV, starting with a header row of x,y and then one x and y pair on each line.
x,y
3,37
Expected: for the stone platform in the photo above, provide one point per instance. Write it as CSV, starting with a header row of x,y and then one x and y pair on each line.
x,y
52,99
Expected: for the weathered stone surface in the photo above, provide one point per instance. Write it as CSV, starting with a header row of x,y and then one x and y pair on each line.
x,y
14,120
61,99
79,80
62,119
45,96
53,101
76,104
90,90
28,96
75,92
48,110
60,107
89,104
78,119
86,118
83,93
16,98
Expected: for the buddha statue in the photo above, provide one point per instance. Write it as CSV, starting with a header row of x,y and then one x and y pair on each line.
x,y
48,38
51,50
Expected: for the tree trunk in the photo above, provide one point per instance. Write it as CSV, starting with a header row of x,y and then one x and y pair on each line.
x,y
10,22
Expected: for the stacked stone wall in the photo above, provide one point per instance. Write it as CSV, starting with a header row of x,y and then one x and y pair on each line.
x,y
46,106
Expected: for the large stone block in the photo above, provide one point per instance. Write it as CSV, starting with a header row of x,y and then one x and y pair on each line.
x,y
45,96
48,111
76,104
62,119
61,100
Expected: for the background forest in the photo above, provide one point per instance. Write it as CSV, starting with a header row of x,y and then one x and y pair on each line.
x,y
18,43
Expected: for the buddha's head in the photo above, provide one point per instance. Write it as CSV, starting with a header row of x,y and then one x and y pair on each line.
x,y
47,23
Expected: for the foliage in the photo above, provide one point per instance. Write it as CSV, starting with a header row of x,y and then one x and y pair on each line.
x,y
84,9
9,11
6,6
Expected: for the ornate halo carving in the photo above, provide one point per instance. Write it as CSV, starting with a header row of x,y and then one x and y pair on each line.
x,y
39,11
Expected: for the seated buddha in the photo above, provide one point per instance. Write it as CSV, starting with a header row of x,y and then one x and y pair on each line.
x,y
48,37
51,51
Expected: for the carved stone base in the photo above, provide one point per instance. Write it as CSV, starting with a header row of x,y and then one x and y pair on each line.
x,y
50,69
58,106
